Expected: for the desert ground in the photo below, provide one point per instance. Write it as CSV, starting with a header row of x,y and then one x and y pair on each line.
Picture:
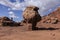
x,y
17,33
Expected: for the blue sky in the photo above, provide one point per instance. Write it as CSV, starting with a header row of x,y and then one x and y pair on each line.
x,y
5,12
15,8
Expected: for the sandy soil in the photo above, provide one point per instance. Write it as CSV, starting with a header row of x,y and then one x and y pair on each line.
x,y
15,33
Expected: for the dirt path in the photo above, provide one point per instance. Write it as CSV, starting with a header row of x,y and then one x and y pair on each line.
x,y
9,33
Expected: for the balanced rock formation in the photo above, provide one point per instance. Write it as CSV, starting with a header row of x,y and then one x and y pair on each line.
x,y
31,15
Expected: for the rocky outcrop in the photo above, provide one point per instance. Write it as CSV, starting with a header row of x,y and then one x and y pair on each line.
x,y
31,15
51,20
5,21
53,17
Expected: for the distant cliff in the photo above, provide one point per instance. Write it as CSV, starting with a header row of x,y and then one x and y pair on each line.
x,y
5,21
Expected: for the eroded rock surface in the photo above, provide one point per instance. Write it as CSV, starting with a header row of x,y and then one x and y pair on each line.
x,y
51,20
5,21
31,16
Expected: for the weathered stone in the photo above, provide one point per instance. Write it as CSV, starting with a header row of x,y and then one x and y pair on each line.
x,y
51,20
31,15
54,20
5,21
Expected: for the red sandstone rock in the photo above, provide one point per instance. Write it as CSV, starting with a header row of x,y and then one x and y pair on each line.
x,y
51,20
31,16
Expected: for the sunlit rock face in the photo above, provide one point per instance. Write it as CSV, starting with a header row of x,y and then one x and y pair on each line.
x,y
56,13
52,20
31,15
52,17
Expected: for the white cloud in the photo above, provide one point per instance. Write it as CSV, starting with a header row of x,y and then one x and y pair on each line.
x,y
44,5
12,14
9,9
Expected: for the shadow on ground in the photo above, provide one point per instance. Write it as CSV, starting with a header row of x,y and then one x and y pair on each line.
x,y
36,28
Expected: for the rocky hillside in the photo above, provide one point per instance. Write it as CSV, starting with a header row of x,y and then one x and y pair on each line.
x,y
56,13
51,20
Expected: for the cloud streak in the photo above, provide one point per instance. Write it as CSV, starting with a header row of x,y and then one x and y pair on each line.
x,y
44,5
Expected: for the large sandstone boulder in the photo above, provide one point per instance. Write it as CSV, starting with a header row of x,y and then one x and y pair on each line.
x,y
31,15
